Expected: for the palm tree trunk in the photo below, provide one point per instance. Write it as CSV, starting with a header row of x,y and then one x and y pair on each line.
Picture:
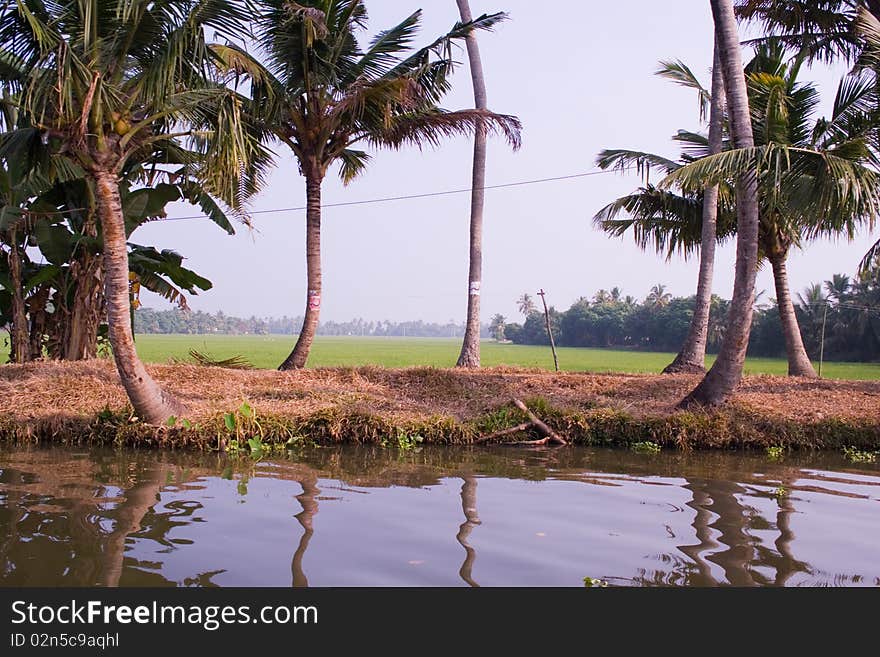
x,y
719,383
470,348
798,362
150,402
300,354
19,338
692,357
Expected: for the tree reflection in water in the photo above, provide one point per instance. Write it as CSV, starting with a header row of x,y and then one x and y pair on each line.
x,y
306,518
82,519
471,520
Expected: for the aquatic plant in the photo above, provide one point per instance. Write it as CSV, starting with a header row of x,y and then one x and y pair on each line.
x,y
859,456
646,447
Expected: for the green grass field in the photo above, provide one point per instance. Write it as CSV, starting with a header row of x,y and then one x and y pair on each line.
x,y
269,351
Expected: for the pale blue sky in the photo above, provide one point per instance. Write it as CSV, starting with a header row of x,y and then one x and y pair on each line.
x,y
581,79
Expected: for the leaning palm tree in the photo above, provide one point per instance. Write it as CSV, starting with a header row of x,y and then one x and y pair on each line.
x,y
102,82
719,383
470,347
321,94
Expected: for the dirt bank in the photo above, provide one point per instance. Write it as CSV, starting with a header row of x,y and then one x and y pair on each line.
x,y
83,402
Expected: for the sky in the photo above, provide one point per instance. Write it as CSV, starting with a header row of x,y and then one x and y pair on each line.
x,y
581,79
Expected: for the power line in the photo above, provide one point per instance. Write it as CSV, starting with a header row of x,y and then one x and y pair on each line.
x,y
387,199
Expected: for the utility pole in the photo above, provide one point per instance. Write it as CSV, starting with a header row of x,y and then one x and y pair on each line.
x,y
549,330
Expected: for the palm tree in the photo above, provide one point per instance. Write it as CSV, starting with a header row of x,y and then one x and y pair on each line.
x,y
838,288
658,297
814,179
470,348
526,304
726,373
691,357
102,82
848,29
320,94
824,29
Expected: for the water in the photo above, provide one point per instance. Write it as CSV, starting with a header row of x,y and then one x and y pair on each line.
x,y
436,517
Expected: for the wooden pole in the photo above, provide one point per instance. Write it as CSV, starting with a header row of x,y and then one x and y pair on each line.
x,y
549,330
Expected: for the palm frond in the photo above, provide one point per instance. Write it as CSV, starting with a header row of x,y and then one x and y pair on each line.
x,y
619,159
433,126
680,73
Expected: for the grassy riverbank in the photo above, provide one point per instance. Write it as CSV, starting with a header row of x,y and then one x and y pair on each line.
x,y
83,403
267,351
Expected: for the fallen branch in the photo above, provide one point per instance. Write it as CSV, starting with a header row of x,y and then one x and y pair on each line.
x,y
549,436
525,426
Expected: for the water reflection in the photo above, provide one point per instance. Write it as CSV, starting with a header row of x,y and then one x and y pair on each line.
x,y
548,518
471,520
306,518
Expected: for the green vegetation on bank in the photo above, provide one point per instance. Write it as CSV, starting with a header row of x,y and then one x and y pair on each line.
x,y
266,351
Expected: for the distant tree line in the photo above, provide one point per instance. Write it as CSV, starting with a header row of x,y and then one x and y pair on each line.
x,y
849,309
149,320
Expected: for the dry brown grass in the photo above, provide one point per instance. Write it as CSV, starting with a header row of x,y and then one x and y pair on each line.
x,y
65,394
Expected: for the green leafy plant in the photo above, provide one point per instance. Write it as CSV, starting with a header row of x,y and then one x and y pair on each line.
x,y
781,491
859,456
646,447
591,582
775,453
403,441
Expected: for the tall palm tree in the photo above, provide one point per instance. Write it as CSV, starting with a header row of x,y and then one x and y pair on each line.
x,y
470,347
526,304
658,296
320,94
726,373
104,81
651,205
838,288
691,357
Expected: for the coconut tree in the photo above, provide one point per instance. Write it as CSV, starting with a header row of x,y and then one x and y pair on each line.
x,y
106,81
814,178
781,118
470,348
321,94
658,296
691,357
838,288
821,29
725,374
526,304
